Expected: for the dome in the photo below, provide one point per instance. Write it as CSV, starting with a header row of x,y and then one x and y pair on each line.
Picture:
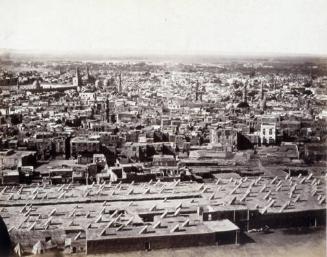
x,y
243,105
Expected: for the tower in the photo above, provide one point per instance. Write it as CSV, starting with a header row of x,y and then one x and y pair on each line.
x,y
120,89
263,99
107,110
18,86
77,79
263,103
87,74
203,90
245,92
261,92
197,91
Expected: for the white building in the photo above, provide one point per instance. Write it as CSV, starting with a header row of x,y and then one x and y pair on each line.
x,y
268,133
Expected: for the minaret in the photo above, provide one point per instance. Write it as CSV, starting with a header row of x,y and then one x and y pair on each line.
x,y
261,92
120,89
197,91
202,93
87,74
18,86
77,79
245,92
107,110
263,103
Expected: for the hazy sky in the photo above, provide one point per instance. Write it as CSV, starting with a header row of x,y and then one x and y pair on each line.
x,y
165,26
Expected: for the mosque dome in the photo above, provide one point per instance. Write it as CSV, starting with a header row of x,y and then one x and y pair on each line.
x,y
243,105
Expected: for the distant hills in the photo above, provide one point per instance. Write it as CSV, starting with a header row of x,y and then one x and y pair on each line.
x,y
12,54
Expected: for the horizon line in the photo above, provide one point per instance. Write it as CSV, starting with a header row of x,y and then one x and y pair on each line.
x,y
134,53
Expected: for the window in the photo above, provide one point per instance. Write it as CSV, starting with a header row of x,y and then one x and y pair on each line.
x,y
264,131
270,131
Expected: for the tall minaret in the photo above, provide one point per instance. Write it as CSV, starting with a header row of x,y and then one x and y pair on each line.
x,y
77,79
18,86
120,89
245,92
202,93
87,73
261,92
197,91
107,110
263,103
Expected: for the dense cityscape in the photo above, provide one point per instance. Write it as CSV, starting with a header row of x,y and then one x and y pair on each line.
x,y
140,154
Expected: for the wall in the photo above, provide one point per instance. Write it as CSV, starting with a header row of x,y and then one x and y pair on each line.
x,y
156,242
290,219
273,220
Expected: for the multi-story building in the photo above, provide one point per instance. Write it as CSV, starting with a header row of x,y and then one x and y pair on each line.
x,y
83,145
268,133
225,138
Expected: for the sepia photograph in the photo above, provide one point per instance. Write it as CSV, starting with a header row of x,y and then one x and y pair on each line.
x,y
159,128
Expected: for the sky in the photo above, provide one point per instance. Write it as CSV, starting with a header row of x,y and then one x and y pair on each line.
x,y
165,26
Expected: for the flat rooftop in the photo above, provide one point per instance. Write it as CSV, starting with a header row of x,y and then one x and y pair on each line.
x,y
297,193
111,211
93,207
